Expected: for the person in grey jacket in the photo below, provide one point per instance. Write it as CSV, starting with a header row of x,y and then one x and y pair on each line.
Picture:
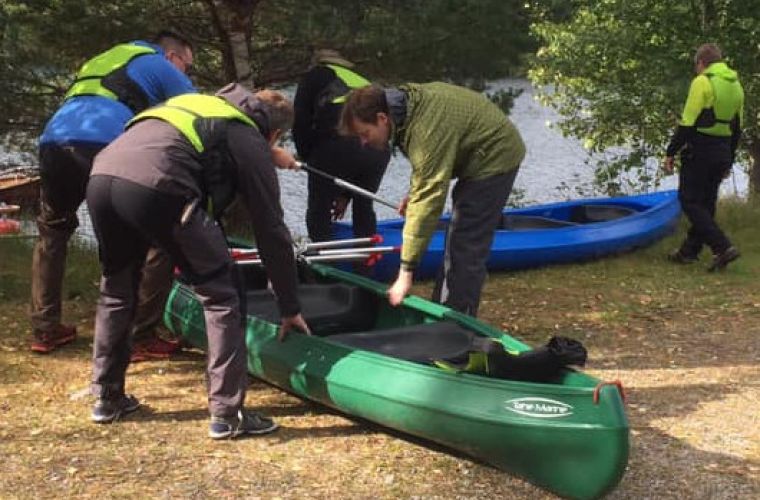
x,y
164,182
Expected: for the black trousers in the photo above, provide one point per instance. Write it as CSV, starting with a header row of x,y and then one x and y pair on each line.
x,y
703,168
344,158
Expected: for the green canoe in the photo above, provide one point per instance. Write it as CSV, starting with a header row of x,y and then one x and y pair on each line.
x,y
569,437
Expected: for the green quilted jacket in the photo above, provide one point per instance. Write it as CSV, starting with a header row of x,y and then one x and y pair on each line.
x,y
449,132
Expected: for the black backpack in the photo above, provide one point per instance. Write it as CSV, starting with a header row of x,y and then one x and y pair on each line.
x,y
543,364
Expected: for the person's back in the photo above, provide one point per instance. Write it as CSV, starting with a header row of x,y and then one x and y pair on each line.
x,y
477,141
95,119
318,101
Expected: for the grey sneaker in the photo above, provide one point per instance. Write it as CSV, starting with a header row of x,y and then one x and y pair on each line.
x,y
245,422
107,410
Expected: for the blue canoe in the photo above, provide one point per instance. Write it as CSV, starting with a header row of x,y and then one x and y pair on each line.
x,y
554,233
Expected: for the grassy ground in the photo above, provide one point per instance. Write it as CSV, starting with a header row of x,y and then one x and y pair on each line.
x,y
685,343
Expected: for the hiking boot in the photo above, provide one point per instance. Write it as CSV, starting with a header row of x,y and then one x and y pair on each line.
x,y
107,410
153,348
45,341
681,258
245,422
721,260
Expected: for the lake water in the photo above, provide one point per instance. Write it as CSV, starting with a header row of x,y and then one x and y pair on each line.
x,y
553,169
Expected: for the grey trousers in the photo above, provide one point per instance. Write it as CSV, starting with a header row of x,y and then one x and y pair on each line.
x,y
477,208
127,219
49,264
155,285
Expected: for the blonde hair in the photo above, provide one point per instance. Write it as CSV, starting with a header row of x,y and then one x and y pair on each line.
x,y
279,109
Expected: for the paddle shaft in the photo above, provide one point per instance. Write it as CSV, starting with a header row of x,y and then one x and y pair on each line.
x,y
348,257
244,255
347,185
343,245
367,250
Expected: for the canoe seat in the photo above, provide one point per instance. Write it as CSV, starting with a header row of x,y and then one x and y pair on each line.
x,y
420,343
327,308
526,222
584,214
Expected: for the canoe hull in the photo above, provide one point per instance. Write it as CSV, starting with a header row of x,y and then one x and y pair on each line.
x,y
20,190
555,436
656,216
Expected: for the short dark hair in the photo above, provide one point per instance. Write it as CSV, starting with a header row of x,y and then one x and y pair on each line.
x,y
362,104
169,39
708,53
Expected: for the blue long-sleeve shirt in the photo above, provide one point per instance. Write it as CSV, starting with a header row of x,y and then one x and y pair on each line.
x,y
95,120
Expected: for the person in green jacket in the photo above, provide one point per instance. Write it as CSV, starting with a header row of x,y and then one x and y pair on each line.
x,y
447,132
707,137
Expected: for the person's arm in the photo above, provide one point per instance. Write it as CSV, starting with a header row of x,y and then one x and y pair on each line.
x,y
260,189
736,131
432,157
695,103
308,90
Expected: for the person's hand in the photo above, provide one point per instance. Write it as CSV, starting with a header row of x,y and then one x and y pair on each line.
x,y
290,322
339,206
667,165
402,206
284,158
400,287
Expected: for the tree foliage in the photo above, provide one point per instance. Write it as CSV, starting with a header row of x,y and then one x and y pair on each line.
x,y
618,72
43,42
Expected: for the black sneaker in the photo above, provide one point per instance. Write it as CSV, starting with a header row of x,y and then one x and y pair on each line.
x,y
108,410
721,260
680,258
245,422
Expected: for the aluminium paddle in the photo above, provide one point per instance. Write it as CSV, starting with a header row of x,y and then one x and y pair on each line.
x,y
347,185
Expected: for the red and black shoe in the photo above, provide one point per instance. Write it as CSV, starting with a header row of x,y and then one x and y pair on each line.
x,y
153,348
45,341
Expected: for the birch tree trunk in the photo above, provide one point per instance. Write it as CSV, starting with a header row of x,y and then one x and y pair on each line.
x,y
233,20
754,172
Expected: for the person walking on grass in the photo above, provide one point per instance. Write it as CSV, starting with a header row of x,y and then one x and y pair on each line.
x,y
707,137
109,89
165,182
318,103
447,132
